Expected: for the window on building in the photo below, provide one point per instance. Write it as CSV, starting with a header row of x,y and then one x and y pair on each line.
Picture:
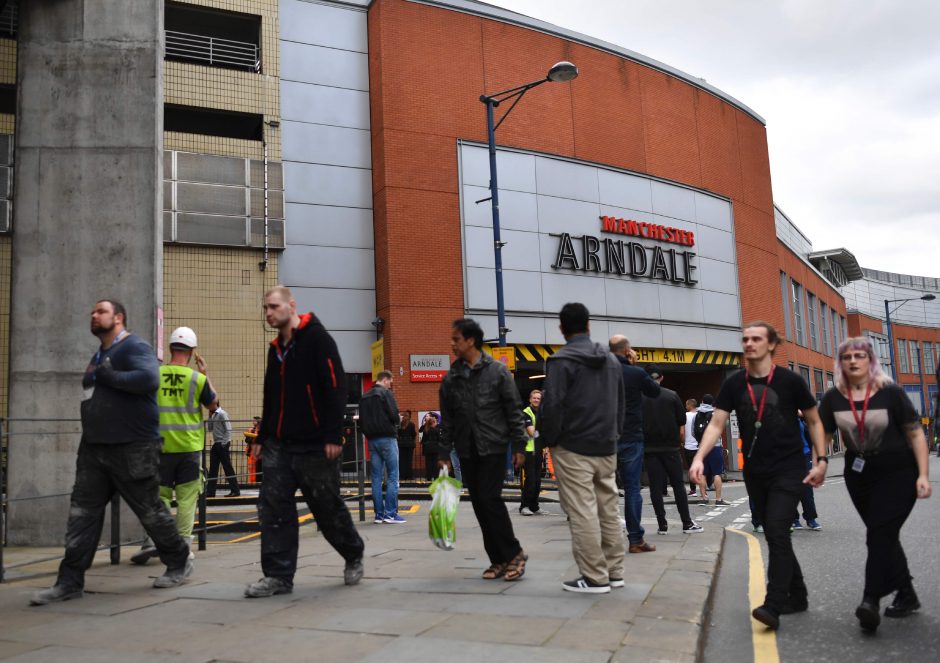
x,y
916,357
835,330
797,291
811,313
818,383
824,319
804,373
914,392
929,364
212,37
785,293
830,380
844,327
903,357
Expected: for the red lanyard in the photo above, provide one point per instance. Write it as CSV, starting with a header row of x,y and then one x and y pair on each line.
x,y
860,421
763,397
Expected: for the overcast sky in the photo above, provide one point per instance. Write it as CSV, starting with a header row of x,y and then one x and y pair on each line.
x,y
850,92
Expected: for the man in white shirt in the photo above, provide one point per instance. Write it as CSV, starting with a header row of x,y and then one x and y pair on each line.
x,y
690,446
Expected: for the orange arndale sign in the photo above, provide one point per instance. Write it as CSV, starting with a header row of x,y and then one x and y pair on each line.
x,y
610,224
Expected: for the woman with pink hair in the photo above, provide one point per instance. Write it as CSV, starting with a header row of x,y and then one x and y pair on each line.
x,y
885,470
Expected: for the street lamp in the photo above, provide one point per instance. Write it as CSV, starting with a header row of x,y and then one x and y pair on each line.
x,y
561,72
900,302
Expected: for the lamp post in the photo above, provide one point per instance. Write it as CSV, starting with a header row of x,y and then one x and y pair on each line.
x,y
900,302
559,73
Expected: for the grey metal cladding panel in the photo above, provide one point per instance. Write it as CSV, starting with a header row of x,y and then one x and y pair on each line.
x,y
522,290
521,251
718,276
322,104
514,171
480,289
559,289
715,244
517,211
354,350
348,310
624,191
678,336
319,225
327,185
681,303
713,212
328,267
673,201
721,309
558,215
523,329
324,25
565,180
641,335
632,299
318,143
721,339
324,66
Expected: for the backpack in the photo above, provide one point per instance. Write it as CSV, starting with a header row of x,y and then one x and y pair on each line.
x,y
700,423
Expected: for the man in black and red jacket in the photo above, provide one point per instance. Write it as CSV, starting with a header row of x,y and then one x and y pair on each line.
x,y
301,442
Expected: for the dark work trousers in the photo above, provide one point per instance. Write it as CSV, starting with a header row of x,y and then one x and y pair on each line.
x,y
219,455
884,500
318,480
776,495
660,466
531,480
483,477
808,499
406,462
689,455
430,467
131,470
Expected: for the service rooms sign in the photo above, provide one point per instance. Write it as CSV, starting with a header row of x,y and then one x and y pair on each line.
x,y
610,255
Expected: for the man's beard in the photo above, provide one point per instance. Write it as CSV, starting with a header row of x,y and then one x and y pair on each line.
x,y
100,330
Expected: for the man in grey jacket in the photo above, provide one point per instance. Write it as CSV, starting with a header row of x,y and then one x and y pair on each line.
x,y
582,419
481,414
378,415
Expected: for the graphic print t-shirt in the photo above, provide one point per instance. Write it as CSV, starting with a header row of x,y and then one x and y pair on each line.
x,y
885,441
779,445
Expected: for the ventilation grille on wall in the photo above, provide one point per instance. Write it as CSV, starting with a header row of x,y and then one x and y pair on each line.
x,y
6,183
219,201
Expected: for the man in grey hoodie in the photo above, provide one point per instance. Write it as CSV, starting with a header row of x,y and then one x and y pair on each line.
x,y
582,416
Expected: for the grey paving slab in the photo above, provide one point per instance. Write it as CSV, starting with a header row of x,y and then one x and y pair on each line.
x,y
523,606
496,628
10,650
268,644
448,586
55,654
378,621
104,604
590,634
614,611
203,611
433,650
632,654
670,634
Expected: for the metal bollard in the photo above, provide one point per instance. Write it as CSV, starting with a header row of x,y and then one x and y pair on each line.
x,y
360,471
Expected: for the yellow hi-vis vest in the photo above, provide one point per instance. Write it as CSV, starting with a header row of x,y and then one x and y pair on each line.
x,y
180,412
530,445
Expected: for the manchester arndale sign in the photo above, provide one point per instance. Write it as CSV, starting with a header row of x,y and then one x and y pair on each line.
x,y
606,255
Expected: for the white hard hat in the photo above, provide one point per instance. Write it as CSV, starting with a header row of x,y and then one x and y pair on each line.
x,y
183,336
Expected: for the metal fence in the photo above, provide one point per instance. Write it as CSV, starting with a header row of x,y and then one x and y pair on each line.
x,y
212,51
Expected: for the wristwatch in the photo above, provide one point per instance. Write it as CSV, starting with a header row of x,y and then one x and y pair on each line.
x,y
821,458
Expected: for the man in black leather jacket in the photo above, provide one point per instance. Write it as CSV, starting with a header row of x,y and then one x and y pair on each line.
x,y
482,414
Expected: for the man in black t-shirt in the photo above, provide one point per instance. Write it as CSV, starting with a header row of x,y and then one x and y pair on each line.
x,y
766,398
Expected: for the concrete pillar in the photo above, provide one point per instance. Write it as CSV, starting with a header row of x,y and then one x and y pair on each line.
x,y
87,224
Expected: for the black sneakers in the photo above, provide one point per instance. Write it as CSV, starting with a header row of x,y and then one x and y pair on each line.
x,y
905,604
352,574
867,614
585,586
767,616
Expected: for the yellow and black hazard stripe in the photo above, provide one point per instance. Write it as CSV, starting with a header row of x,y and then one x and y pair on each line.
x,y
538,353
716,358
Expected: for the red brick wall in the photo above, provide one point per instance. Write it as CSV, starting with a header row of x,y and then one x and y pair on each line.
x,y
428,66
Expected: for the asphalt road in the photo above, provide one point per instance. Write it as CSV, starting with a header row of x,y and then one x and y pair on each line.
x,y
833,562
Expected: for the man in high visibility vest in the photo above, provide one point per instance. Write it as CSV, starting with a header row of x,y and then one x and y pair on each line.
x,y
182,391
532,469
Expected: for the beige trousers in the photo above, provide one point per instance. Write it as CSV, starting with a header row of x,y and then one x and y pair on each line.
x,y
588,494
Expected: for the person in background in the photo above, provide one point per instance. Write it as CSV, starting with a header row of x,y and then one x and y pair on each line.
x,y
378,415
690,446
807,500
220,453
430,443
886,471
715,460
532,469
407,442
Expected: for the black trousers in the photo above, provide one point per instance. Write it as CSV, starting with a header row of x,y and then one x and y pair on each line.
x,y
317,477
884,500
430,466
406,462
483,477
661,466
689,455
130,470
775,496
531,480
219,456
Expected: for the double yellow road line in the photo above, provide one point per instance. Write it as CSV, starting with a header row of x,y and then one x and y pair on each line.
x,y
763,638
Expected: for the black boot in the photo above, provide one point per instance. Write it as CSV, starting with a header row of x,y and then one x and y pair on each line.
x,y
867,613
905,603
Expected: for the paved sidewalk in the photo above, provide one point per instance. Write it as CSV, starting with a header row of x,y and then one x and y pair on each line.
x,y
416,603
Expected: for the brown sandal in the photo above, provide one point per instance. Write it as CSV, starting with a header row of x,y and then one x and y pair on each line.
x,y
516,568
495,571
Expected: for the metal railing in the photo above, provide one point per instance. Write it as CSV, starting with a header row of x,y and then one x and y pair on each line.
x,y
212,51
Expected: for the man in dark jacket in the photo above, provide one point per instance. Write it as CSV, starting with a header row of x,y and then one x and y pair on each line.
x,y
119,453
663,433
582,415
481,413
636,384
378,415
301,438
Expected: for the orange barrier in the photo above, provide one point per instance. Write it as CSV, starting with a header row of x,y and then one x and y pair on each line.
x,y
549,464
740,455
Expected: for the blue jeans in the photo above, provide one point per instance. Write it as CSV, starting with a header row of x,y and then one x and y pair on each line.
x,y
455,463
384,451
630,467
